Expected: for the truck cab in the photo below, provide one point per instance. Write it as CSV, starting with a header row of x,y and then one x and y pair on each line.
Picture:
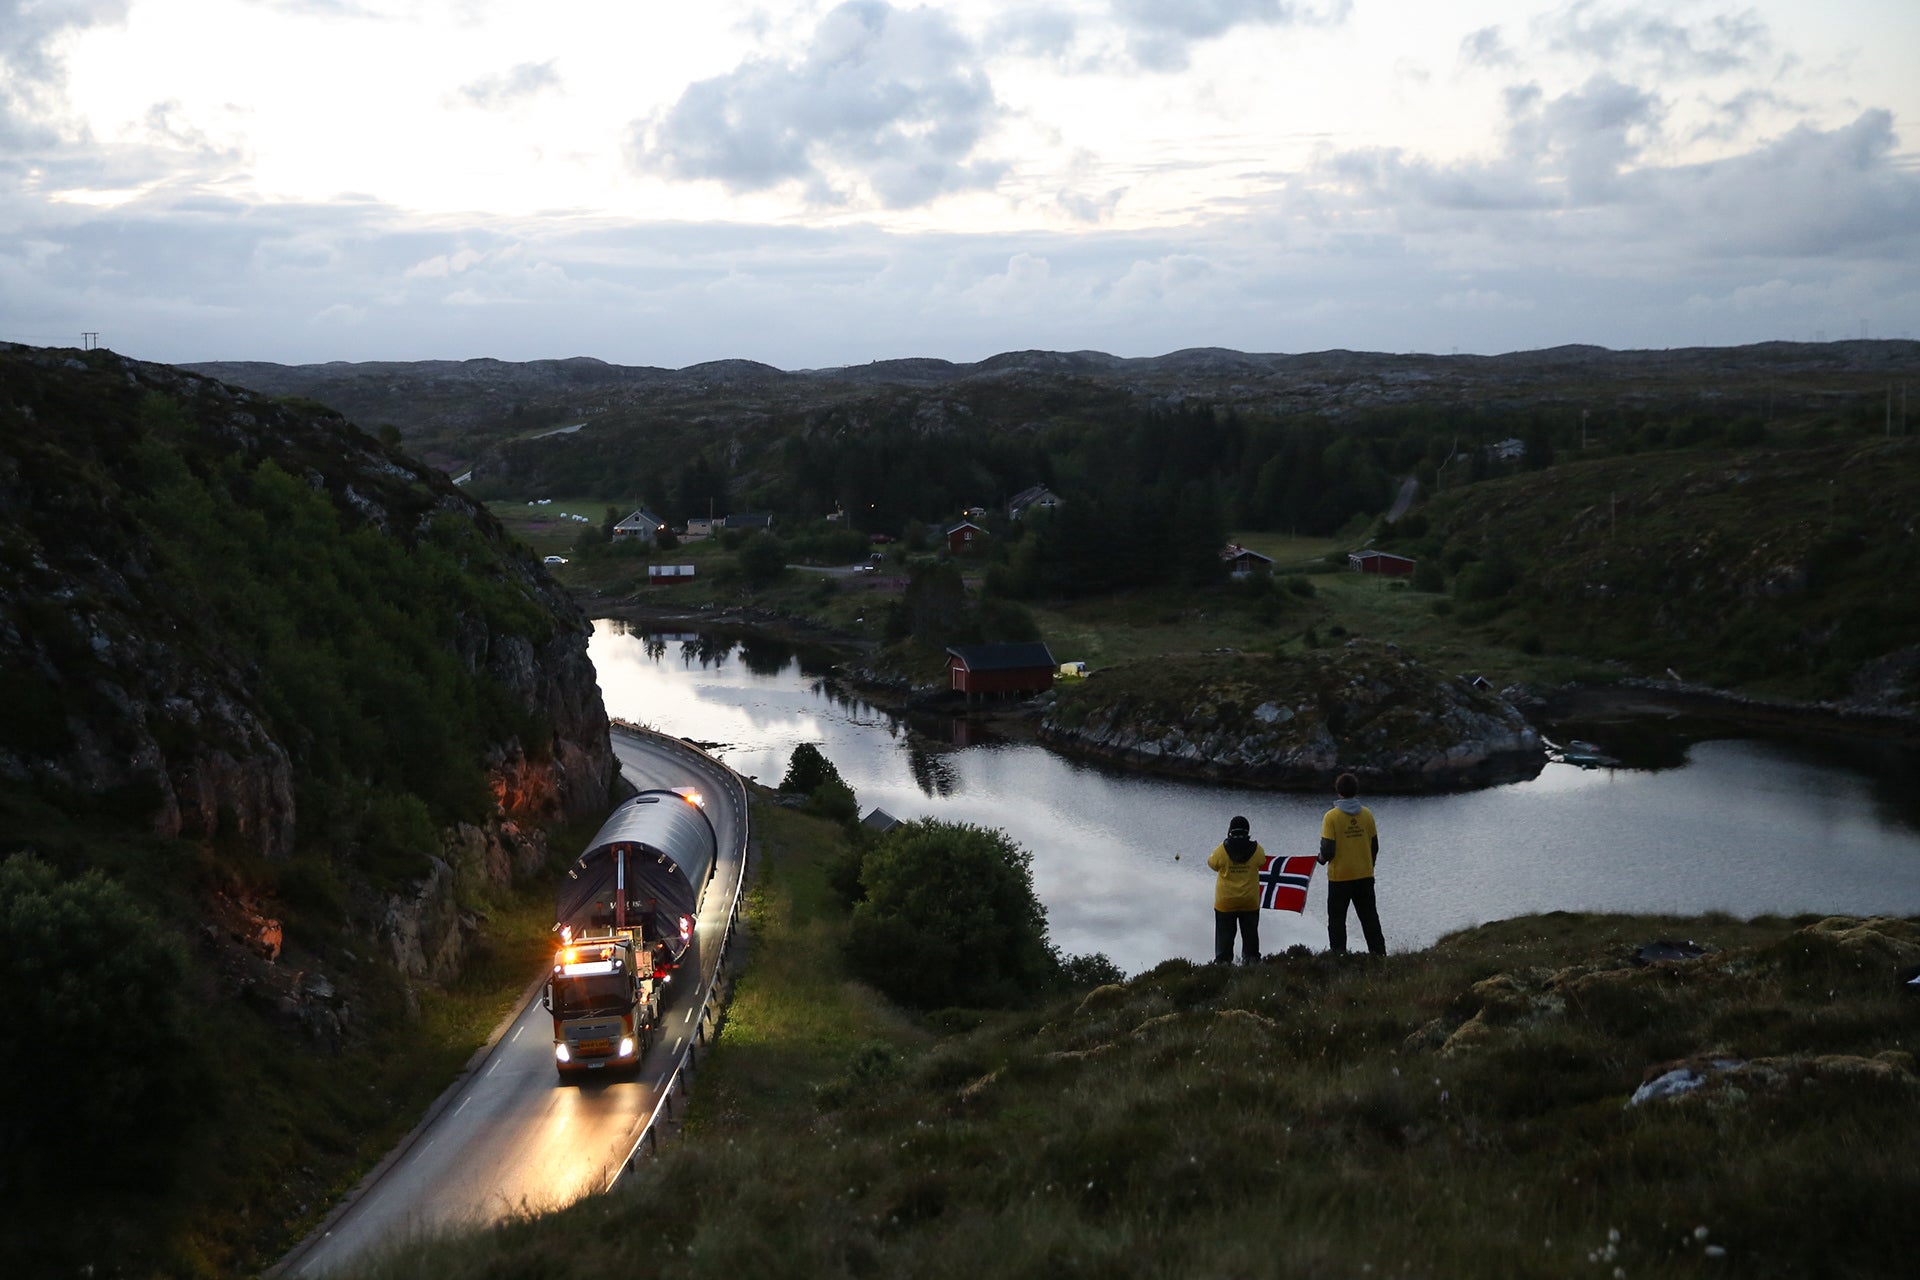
x,y
604,998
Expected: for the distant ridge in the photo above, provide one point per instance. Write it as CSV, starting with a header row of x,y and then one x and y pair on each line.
x,y
448,402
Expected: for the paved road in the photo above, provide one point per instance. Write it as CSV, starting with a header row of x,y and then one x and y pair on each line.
x,y
510,1136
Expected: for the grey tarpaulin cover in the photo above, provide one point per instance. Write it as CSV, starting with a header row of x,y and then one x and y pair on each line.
x,y
669,846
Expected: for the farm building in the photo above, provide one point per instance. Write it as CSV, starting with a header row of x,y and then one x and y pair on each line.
x,y
1384,563
979,669
668,574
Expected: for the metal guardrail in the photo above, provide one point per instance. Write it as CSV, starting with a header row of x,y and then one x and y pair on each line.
x,y
710,1006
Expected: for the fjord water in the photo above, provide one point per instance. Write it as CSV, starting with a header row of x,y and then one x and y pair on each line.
x,y
1744,826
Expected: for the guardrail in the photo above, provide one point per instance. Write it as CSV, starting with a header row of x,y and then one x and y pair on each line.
x,y
714,1003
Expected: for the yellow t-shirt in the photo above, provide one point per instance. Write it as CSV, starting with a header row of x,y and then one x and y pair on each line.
x,y
1353,835
1238,886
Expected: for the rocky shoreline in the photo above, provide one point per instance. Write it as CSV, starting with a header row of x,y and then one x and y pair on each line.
x,y
1423,732
1366,708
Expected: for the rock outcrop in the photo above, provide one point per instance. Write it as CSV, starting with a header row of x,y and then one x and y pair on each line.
x,y
1297,723
129,694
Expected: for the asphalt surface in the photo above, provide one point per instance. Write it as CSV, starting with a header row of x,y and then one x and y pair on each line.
x,y
511,1137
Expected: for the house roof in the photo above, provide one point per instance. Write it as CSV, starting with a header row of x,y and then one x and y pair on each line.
x,y
749,520
640,520
1028,497
964,524
1234,551
880,820
1377,555
1003,657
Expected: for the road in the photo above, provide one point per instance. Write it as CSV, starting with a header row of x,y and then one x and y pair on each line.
x,y
510,1137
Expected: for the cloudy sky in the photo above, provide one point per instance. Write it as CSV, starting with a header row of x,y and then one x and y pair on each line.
x,y
815,184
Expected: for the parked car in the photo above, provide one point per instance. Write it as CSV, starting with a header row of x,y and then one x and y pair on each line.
x,y
556,560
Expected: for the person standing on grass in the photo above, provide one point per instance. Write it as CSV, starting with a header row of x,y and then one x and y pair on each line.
x,y
1236,894
1349,848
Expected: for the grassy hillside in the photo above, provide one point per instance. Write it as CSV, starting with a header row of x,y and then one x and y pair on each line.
x,y
1775,569
1462,1111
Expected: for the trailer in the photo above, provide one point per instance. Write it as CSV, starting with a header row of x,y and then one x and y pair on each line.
x,y
626,918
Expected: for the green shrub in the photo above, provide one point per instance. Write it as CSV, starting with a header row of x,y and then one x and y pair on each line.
x,y
951,918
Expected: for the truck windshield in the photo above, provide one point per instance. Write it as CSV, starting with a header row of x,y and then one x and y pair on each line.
x,y
599,993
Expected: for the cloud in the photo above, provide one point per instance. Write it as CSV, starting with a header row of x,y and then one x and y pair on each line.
x,y
885,99
1161,33
31,73
1643,38
1486,47
506,88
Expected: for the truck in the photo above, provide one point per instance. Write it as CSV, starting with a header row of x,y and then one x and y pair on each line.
x,y
626,915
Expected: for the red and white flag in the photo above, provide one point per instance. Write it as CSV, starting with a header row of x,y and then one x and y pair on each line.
x,y
1283,881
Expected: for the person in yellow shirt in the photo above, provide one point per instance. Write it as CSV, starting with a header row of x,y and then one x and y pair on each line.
x,y
1349,850
1236,894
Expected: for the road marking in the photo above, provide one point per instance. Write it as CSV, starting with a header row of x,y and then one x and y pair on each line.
x,y
463,1104
677,1043
688,1016
495,1067
516,1033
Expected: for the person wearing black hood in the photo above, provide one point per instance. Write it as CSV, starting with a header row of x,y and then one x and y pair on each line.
x,y
1236,894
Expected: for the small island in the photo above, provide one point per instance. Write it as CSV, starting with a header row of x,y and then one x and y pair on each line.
x,y
1295,720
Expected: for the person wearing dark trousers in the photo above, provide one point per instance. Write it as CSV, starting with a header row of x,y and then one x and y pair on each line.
x,y
1349,850
1235,862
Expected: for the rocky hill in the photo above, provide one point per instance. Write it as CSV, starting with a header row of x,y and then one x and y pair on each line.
x,y
285,715
1298,721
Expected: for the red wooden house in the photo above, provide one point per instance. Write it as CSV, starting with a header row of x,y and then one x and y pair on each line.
x,y
964,537
1384,563
978,669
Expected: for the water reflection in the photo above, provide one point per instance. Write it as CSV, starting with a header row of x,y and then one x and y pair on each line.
x,y
932,772
1741,826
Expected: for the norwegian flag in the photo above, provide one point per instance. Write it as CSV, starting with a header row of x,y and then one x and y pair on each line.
x,y
1283,881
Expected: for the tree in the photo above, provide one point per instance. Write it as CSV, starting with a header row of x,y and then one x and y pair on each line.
x,y
951,918
807,768
82,964
763,558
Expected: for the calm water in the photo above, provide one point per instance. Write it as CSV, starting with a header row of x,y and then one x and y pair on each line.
x,y
1743,826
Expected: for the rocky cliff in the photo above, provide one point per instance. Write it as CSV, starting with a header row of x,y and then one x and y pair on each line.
x,y
247,623
1298,722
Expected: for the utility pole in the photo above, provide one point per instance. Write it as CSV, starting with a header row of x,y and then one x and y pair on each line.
x,y
89,340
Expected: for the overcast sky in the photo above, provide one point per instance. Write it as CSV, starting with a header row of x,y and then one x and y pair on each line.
x,y
814,184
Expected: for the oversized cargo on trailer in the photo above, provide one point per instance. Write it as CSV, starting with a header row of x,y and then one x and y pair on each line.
x,y
645,870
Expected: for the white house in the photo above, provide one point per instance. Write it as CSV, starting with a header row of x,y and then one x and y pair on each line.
x,y
641,526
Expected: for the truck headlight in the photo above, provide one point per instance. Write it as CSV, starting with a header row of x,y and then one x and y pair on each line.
x,y
626,1046
561,1053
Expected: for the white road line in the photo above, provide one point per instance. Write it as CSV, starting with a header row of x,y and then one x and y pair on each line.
x,y
677,1043
463,1104
516,1033
688,1016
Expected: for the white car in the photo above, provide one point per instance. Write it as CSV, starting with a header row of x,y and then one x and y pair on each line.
x,y
556,560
